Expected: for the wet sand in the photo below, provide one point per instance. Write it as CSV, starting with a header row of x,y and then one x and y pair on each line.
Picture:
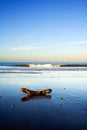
x,y
64,109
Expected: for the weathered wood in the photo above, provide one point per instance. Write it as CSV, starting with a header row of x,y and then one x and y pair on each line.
x,y
35,93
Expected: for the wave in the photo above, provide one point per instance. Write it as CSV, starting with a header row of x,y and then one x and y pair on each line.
x,y
37,65
36,68
50,65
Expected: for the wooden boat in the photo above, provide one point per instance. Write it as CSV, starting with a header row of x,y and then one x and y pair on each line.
x,y
36,93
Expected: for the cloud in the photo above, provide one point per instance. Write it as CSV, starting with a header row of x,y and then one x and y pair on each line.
x,y
21,48
24,48
79,42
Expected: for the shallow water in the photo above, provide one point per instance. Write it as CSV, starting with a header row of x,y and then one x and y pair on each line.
x,y
64,109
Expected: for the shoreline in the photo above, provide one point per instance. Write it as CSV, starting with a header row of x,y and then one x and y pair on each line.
x,y
41,71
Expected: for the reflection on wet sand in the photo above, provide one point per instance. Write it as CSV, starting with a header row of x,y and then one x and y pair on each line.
x,y
27,98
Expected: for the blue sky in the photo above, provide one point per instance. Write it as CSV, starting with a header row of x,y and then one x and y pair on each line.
x,y
43,30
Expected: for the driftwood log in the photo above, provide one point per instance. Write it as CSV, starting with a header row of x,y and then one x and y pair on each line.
x,y
36,93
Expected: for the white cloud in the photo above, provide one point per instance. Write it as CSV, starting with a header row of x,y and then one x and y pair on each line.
x,y
77,42
24,48
21,48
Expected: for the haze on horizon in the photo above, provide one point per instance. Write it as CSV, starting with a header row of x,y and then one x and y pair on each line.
x,y
43,30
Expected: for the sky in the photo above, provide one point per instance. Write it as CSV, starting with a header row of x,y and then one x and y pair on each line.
x,y
43,30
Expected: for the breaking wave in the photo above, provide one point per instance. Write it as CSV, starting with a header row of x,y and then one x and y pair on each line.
x,y
34,68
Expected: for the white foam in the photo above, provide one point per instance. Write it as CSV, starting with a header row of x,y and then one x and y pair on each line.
x,y
46,67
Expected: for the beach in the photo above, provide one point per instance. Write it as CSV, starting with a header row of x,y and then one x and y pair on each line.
x,y
43,65
64,108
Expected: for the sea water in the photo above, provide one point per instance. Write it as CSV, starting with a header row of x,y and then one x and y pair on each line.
x,y
38,66
65,108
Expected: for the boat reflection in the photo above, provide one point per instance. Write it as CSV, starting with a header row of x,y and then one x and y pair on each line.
x,y
27,98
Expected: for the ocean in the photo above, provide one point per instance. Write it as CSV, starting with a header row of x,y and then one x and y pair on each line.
x,y
65,108
39,66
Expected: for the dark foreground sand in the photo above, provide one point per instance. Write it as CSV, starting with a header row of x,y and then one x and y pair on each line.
x,y
64,109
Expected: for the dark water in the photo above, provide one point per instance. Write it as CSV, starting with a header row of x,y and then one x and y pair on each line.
x,y
64,109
